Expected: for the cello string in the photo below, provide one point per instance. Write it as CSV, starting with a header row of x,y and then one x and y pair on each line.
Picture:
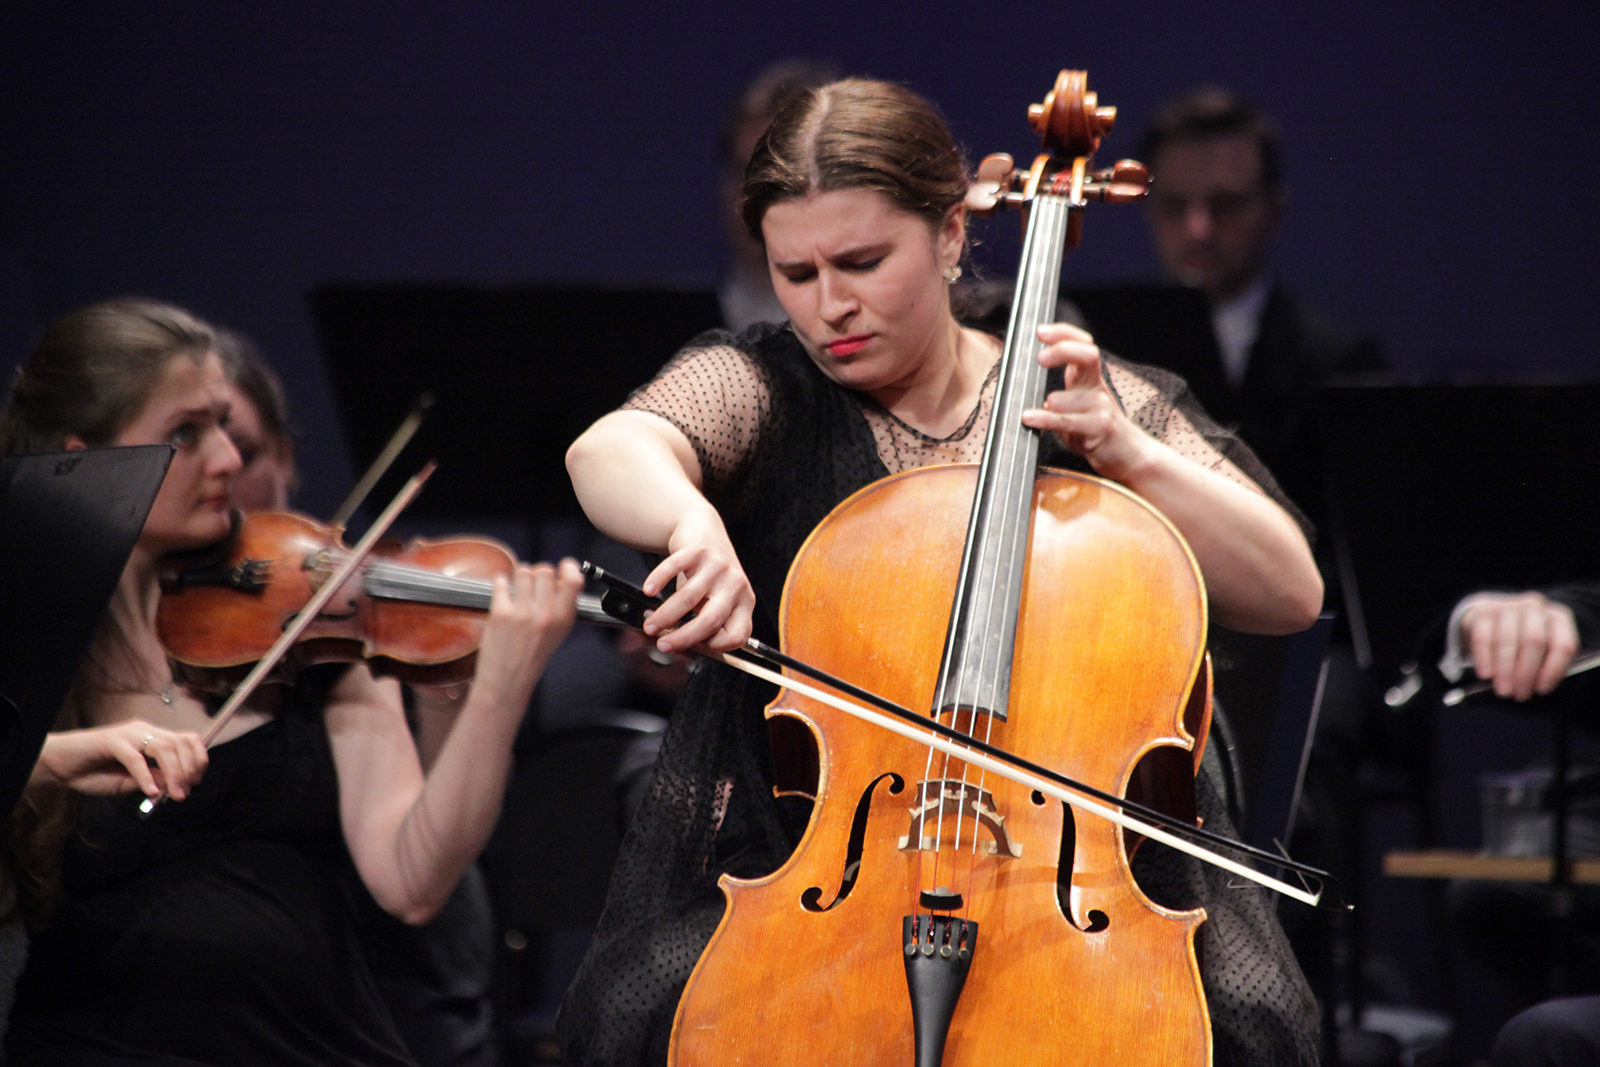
x,y
987,533
1016,449
998,531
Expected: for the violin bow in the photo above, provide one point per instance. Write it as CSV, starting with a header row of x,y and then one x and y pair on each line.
x,y
398,440
319,600
627,603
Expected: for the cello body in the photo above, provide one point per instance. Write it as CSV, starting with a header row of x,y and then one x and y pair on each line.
x,y
1073,963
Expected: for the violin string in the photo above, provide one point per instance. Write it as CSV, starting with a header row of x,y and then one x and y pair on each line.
x,y
399,581
420,583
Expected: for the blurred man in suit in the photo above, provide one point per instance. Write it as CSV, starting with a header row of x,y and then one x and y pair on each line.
x,y
1217,197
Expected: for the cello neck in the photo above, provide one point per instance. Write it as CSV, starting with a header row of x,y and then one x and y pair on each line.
x,y
983,618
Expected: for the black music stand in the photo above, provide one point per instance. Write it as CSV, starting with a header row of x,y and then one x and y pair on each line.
x,y
68,521
1167,325
515,372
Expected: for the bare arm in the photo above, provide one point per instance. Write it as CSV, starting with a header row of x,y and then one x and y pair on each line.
x,y
1259,571
412,834
635,474
639,481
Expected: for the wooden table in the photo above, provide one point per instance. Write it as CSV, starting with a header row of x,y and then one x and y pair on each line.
x,y
1459,863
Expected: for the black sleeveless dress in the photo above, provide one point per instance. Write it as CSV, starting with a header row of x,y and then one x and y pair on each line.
x,y
217,931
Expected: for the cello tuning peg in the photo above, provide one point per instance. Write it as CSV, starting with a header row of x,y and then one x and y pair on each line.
x,y
1130,170
1125,181
989,189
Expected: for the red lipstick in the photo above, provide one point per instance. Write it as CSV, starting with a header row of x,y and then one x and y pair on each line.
x,y
846,346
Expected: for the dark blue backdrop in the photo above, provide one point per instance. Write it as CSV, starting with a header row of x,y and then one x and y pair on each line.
x,y
1441,153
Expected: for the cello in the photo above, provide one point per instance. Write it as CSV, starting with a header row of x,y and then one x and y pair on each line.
x,y
932,912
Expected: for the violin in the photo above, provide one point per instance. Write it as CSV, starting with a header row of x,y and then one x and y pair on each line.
x,y
241,619
412,609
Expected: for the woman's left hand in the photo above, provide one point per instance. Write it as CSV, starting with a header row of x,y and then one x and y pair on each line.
x,y
529,616
1259,571
1083,413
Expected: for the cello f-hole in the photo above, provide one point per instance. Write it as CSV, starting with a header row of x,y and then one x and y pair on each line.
x,y
811,899
1094,920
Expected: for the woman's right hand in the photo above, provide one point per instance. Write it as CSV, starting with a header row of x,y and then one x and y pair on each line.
x,y
122,758
709,601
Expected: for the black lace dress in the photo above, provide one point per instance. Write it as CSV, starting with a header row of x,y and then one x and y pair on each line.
x,y
215,932
780,446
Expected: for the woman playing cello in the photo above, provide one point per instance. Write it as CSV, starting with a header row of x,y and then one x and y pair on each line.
x,y
727,460
215,931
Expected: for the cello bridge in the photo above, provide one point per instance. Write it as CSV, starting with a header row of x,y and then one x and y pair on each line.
x,y
939,798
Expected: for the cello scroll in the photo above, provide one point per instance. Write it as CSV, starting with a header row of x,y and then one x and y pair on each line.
x,y
1071,122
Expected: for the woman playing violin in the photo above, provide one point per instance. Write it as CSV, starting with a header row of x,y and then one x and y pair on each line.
x,y
228,901
741,445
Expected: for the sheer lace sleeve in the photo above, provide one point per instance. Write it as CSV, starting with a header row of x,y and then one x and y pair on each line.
x,y
719,396
1160,403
